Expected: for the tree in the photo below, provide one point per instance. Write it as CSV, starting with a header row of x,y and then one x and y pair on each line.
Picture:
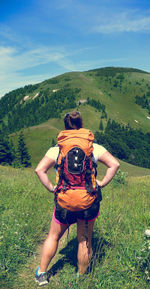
x,y
22,158
53,143
6,150
101,125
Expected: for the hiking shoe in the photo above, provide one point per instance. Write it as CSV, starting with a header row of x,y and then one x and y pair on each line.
x,y
41,279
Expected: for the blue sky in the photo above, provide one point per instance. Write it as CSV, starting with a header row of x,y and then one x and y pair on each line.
x,y
40,39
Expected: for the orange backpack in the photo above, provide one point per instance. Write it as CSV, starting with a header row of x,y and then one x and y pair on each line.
x,y
76,170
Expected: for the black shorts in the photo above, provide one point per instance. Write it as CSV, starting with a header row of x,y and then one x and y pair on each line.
x,y
66,217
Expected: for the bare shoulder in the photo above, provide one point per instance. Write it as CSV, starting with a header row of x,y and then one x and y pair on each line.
x,y
45,164
108,159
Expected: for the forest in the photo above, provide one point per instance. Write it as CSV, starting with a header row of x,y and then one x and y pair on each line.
x,y
14,156
47,105
125,143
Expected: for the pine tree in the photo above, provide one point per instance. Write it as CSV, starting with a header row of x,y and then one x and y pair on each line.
x,y
101,125
53,143
23,158
6,153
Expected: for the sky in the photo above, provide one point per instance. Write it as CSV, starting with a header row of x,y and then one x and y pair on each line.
x,y
40,39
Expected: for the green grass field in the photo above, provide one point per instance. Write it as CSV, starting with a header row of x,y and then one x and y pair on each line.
x,y
120,258
26,211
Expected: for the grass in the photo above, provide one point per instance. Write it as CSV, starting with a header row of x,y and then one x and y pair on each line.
x,y
120,106
39,138
26,211
22,219
26,207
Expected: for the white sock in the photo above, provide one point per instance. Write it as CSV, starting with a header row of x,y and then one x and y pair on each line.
x,y
39,272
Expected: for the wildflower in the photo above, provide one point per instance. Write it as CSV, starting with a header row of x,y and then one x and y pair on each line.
x,y
139,258
147,233
146,272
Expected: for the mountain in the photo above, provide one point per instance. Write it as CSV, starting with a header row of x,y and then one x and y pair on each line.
x,y
125,92
118,94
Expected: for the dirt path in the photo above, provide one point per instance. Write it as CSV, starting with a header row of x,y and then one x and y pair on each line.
x,y
26,278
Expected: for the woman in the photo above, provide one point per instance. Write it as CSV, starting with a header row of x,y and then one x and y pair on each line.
x,y
73,120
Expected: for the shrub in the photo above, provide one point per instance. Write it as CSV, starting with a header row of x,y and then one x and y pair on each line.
x,y
121,178
144,257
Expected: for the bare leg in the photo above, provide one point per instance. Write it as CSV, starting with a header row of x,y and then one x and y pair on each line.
x,y
51,244
84,253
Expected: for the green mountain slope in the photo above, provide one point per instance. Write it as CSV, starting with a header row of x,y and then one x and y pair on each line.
x,y
116,88
39,139
40,108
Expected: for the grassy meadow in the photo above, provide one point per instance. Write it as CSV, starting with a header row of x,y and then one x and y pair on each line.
x,y
118,239
121,251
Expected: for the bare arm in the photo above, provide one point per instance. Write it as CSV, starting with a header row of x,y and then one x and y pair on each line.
x,y
112,167
41,171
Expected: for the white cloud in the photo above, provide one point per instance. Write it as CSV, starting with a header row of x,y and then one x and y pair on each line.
x,y
17,66
13,63
13,81
13,59
123,22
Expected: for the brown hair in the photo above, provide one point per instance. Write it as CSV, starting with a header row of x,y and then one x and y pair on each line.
x,y
73,120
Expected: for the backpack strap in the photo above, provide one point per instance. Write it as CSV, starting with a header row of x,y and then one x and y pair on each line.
x,y
88,179
94,164
63,180
60,168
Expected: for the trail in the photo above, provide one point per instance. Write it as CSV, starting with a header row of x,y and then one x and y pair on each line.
x,y
26,276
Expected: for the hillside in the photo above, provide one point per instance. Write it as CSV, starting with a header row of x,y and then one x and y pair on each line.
x,y
119,94
118,89
39,140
